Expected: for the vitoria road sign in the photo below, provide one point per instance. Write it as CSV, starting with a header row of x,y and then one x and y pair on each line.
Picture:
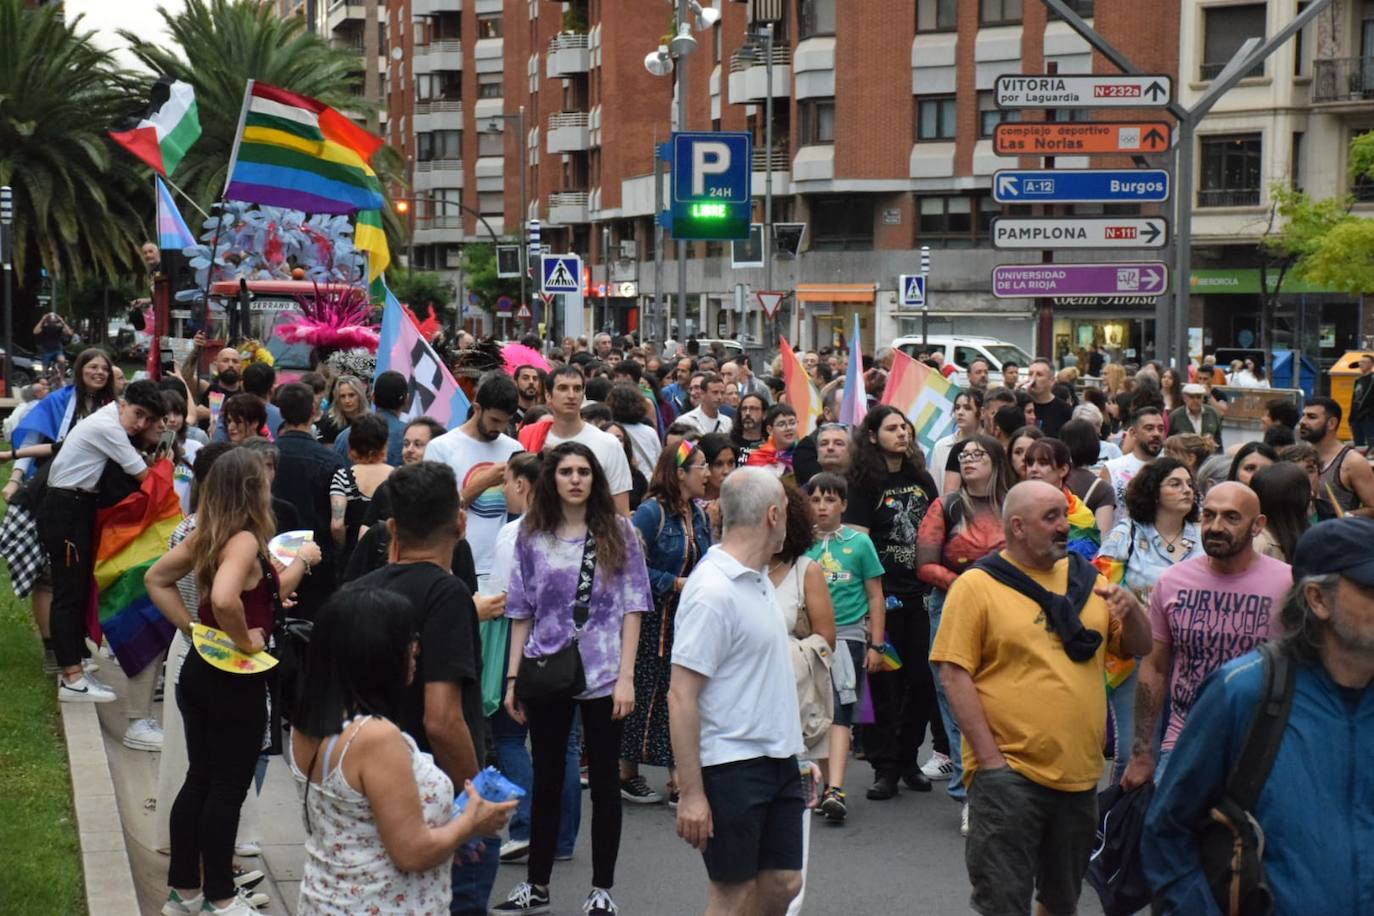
x,y
1080,138
1085,91
1079,232
1080,186
712,171
1024,281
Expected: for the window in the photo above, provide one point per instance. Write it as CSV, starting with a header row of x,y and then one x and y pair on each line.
x,y
936,117
443,207
999,12
989,115
955,221
1225,29
446,85
817,17
842,223
491,203
489,25
439,144
490,85
1231,167
937,15
491,143
1084,8
817,120
1295,160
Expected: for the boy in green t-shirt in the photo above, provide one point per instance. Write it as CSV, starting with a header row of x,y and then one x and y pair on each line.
x,y
854,573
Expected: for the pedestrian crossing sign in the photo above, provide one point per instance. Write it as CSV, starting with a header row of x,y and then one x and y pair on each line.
x,y
561,273
913,291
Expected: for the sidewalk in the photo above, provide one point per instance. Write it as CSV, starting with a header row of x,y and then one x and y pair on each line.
x,y
134,774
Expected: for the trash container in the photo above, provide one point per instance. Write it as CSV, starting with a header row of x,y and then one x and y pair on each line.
x,y
1343,374
1289,369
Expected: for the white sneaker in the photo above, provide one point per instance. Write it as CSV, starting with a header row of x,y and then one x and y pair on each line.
x,y
83,690
144,735
89,665
245,903
963,821
939,766
177,905
514,850
248,849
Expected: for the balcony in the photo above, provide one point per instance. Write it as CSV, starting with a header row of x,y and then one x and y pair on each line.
x,y
569,54
749,73
435,7
1228,197
567,207
446,54
1343,80
775,169
438,173
342,12
568,132
438,114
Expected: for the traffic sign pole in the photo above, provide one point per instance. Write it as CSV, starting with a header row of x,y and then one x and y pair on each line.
x,y
7,256
925,298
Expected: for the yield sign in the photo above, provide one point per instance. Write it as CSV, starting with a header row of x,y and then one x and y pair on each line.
x,y
548,298
770,302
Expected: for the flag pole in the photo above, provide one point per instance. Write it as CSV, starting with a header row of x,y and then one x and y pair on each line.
x,y
173,185
224,196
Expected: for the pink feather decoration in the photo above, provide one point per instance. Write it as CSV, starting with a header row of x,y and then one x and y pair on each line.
x,y
334,321
516,355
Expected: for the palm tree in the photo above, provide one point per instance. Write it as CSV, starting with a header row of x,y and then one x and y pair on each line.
x,y
77,204
220,45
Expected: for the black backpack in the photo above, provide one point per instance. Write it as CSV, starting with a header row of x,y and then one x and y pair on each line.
x,y
1230,839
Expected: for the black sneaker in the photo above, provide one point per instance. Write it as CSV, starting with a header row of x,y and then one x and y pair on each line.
x,y
673,798
833,805
916,781
637,791
526,898
599,903
883,788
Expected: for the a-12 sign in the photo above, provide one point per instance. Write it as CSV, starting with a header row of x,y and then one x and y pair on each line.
x,y
1014,90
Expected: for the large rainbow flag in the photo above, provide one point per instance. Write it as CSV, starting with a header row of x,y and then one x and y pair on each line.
x,y
801,393
924,395
133,535
297,152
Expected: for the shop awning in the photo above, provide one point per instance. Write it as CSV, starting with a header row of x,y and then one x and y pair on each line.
x,y
836,292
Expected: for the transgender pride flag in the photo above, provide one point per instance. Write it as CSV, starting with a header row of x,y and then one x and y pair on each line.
x,y
172,232
433,392
924,395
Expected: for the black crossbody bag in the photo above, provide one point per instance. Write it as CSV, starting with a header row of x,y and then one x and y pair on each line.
x,y
290,641
560,675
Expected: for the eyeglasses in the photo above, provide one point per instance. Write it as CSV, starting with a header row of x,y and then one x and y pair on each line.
x,y
970,455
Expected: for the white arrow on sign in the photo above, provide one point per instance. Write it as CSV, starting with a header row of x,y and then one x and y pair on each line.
x,y
769,302
1015,232
1153,279
1008,186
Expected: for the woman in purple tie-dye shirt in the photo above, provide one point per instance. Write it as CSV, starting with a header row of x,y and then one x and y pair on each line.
x,y
571,499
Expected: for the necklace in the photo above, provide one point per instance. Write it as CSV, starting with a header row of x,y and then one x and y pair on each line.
x,y
1170,542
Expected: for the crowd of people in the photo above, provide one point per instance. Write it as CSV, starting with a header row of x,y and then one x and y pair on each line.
x,y
628,559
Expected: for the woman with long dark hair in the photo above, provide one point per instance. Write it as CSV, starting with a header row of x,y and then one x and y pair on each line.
x,y
225,714
572,531
890,492
1250,459
675,534
1284,493
1048,459
381,834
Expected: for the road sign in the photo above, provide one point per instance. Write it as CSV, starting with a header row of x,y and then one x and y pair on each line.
x,y
562,273
769,302
1023,281
548,299
1079,138
524,312
504,303
712,184
1014,90
913,290
1080,232
1080,186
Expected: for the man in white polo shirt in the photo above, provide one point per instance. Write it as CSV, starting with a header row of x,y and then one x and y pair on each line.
x,y
706,416
733,712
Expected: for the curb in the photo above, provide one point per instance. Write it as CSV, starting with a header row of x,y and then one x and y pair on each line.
x,y
100,832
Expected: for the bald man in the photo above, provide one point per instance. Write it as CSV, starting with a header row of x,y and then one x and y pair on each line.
x,y
227,379
1022,656
1203,613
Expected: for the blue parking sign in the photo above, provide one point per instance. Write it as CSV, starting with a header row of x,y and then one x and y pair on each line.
x,y
712,177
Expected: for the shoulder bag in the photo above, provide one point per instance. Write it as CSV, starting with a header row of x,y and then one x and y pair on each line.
x,y
559,676
289,644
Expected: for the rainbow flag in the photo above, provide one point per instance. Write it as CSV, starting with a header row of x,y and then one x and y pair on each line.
x,y
891,660
1084,537
925,396
133,535
855,404
369,235
297,152
1114,571
799,391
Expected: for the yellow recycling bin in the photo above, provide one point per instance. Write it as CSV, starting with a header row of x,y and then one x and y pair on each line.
x,y
1343,374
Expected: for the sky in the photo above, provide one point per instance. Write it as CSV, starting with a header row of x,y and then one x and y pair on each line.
x,y
105,17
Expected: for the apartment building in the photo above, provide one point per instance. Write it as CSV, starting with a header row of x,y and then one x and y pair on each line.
x,y
1289,123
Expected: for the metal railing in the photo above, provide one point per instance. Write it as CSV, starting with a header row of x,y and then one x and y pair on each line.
x,y
1229,197
441,46
751,54
1212,71
779,161
568,119
1343,79
438,165
435,106
568,199
568,41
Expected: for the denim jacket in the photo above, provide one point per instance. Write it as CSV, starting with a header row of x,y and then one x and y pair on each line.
x,y
1149,555
665,542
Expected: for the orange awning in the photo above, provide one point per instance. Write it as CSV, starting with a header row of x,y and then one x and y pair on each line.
x,y
836,292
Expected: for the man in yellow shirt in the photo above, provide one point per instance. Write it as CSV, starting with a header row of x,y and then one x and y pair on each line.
x,y
1025,680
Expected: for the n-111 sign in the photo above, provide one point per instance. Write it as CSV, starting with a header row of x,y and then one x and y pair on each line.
x,y
1086,91
1027,281
1079,232
712,174
1080,186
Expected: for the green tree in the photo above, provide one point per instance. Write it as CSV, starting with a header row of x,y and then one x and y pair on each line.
x,y
1297,223
1330,246
218,45
479,265
420,288
77,203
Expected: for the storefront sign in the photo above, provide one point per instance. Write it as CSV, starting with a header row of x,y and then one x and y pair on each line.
x,y
1245,282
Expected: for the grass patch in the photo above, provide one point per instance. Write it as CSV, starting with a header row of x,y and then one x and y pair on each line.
x,y
38,843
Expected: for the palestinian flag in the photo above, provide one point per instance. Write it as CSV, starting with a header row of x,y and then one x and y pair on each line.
x,y
164,134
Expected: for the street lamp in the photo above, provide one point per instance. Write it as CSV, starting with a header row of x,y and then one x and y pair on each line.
x,y
494,126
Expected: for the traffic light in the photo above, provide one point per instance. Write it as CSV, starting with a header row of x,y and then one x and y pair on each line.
x,y
507,260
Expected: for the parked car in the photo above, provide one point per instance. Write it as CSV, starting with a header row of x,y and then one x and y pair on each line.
x,y
962,350
24,367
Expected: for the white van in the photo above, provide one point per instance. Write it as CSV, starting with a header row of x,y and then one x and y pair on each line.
x,y
962,350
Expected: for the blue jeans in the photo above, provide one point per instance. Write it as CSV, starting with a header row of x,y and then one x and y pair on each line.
x,y
935,607
514,756
473,880
1122,702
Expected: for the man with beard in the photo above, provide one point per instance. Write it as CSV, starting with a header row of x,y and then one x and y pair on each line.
x,y
225,382
747,434
1203,613
1315,808
477,452
1147,437
529,384
1024,678
1346,477
1050,412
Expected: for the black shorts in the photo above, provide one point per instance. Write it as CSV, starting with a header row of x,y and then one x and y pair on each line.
x,y
756,815
1024,839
